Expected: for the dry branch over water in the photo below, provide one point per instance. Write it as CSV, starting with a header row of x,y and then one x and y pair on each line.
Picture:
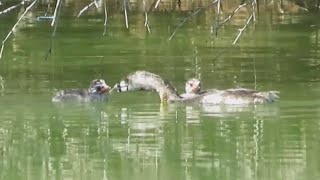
x,y
14,26
87,7
191,15
54,23
11,8
105,17
224,11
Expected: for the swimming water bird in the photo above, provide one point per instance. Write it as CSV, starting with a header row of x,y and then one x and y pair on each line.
x,y
98,91
143,80
192,88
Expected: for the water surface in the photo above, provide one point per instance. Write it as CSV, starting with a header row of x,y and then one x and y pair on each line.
x,y
133,136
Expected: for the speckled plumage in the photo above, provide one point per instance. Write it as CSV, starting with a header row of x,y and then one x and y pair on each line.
x,y
143,80
97,91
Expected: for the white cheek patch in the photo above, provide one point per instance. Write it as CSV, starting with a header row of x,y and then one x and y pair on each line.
x,y
103,83
188,88
123,86
123,83
193,86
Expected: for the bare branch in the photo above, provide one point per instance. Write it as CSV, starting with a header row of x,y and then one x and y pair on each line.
x,y
95,2
254,5
230,16
219,5
55,23
254,74
194,13
242,29
11,8
157,4
105,17
1,84
125,13
55,12
48,8
146,24
15,25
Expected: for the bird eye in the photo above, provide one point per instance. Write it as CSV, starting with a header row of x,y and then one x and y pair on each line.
x,y
99,88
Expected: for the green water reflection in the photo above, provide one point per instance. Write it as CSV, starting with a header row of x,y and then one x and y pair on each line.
x,y
134,137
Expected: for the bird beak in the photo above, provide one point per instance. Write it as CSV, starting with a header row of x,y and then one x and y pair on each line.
x,y
115,87
105,89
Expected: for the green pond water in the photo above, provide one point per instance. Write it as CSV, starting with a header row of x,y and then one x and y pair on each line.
x,y
133,136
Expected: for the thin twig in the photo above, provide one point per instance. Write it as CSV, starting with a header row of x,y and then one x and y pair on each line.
x,y
217,17
185,20
157,4
1,84
105,17
242,29
48,8
56,19
96,4
230,16
11,8
254,74
88,6
146,24
254,4
55,12
125,13
15,25
219,4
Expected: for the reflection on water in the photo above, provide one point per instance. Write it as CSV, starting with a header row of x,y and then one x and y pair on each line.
x,y
89,141
133,136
